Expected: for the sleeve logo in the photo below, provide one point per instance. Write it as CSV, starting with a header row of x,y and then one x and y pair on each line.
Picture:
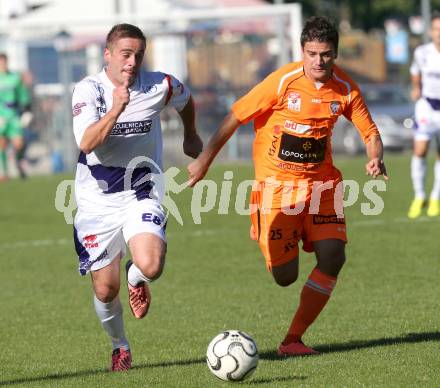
x,y
77,108
335,107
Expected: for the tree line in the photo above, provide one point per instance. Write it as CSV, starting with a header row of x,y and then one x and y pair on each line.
x,y
364,14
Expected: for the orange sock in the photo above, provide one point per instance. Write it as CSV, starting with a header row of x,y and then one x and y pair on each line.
x,y
314,296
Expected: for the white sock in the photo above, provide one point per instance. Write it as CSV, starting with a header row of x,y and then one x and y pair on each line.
x,y
135,276
435,193
418,173
110,315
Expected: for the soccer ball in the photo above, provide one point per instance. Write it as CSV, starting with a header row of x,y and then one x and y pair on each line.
x,y
232,355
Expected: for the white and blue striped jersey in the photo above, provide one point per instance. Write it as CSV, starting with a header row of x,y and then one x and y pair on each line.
x,y
101,176
426,63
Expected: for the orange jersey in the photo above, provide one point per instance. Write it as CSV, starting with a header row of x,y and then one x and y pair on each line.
x,y
294,119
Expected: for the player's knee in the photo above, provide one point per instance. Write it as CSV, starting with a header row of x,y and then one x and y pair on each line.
x,y
339,261
284,279
421,149
18,143
286,274
333,263
330,255
152,267
106,292
3,143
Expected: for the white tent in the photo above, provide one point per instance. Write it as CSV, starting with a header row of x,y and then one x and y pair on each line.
x,y
88,17
85,21
81,16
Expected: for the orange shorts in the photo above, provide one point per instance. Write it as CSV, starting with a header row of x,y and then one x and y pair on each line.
x,y
279,232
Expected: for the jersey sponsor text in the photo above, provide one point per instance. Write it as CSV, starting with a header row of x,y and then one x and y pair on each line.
x,y
131,127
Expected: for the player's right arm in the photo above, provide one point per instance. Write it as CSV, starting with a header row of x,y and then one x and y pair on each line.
x,y
97,133
416,87
416,77
23,96
199,167
259,100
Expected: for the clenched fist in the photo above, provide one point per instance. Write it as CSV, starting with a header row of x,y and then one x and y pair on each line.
x,y
121,97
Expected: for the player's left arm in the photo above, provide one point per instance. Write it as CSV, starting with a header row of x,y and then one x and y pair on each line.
x,y
192,143
375,165
25,104
23,96
358,113
416,74
180,98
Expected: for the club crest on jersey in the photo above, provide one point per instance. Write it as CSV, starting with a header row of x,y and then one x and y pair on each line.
x,y
100,100
294,101
334,107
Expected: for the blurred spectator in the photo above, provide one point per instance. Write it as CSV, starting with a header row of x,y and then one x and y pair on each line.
x,y
15,114
425,78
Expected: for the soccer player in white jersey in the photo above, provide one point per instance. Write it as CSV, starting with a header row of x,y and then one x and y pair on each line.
x,y
117,128
425,77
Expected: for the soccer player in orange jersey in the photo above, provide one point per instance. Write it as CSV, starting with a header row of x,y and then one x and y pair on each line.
x,y
294,110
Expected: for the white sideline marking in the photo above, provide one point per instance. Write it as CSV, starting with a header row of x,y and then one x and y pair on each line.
x,y
366,222
210,232
35,243
68,241
398,220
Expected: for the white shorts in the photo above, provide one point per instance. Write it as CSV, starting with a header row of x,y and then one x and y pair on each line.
x,y
99,239
427,120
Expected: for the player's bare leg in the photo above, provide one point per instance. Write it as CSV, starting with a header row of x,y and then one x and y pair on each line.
x,y
286,274
108,307
315,294
148,252
18,144
3,159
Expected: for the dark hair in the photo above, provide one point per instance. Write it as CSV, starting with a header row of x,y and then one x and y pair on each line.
x,y
320,28
435,15
3,56
124,30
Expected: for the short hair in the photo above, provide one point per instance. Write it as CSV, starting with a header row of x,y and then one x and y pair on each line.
x,y
124,30
3,56
320,28
435,15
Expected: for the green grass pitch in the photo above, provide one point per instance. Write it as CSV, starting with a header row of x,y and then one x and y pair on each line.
x,y
381,327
